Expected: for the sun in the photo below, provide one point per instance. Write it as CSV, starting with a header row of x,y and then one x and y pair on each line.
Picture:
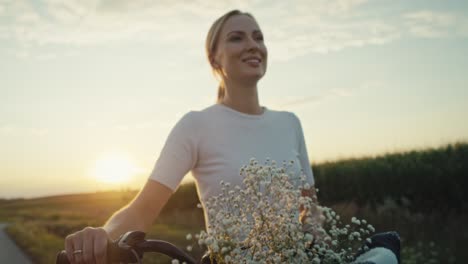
x,y
114,168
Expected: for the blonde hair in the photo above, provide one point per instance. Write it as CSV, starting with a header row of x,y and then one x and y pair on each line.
x,y
211,46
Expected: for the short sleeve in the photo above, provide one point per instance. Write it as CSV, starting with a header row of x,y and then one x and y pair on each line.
x,y
179,154
303,155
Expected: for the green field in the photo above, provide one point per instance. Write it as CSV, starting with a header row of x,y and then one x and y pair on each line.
x,y
421,194
40,225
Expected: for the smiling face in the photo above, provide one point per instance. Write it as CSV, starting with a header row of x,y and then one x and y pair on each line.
x,y
241,54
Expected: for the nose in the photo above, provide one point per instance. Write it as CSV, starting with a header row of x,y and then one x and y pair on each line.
x,y
252,44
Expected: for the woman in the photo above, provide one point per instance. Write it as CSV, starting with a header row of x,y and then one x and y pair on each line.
x,y
213,143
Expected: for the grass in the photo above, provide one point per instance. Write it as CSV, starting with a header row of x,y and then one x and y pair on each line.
x,y
39,226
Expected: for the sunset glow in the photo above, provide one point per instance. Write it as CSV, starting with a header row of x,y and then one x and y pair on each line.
x,y
114,168
90,90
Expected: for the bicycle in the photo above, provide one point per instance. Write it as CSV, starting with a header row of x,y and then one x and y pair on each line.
x,y
130,247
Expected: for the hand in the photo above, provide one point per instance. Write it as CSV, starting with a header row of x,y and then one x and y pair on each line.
x,y
87,246
312,222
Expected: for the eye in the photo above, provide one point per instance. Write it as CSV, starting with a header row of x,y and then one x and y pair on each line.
x,y
235,38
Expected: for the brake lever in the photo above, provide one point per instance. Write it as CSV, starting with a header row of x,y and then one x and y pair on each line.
x,y
124,248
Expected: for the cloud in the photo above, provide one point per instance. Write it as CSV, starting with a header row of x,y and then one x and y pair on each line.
x,y
431,24
314,99
82,23
292,29
329,37
299,101
13,129
329,93
135,126
323,27
144,125
39,131
8,129
342,92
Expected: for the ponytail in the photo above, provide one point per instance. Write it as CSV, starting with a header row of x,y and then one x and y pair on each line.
x,y
221,93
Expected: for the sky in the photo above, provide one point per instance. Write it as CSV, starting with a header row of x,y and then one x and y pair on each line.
x,y
90,89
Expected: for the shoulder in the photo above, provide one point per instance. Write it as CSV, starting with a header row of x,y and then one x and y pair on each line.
x,y
195,119
205,116
199,115
187,119
186,128
285,116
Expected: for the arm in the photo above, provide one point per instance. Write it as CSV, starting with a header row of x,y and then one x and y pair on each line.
x,y
141,212
317,214
178,156
315,219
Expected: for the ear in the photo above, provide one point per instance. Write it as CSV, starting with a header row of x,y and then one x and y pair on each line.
x,y
214,61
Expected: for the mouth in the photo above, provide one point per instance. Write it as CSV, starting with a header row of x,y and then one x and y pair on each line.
x,y
252,59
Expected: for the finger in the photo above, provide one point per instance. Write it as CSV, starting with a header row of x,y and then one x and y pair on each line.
x,y
100,250
78,245
88,246
69,248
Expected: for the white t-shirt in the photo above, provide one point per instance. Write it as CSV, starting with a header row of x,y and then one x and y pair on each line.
x,y
216,142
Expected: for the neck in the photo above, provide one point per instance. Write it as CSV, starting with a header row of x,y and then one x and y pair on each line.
x,y
242,97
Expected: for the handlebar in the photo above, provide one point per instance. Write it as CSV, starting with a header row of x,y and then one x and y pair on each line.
x,y
129,248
